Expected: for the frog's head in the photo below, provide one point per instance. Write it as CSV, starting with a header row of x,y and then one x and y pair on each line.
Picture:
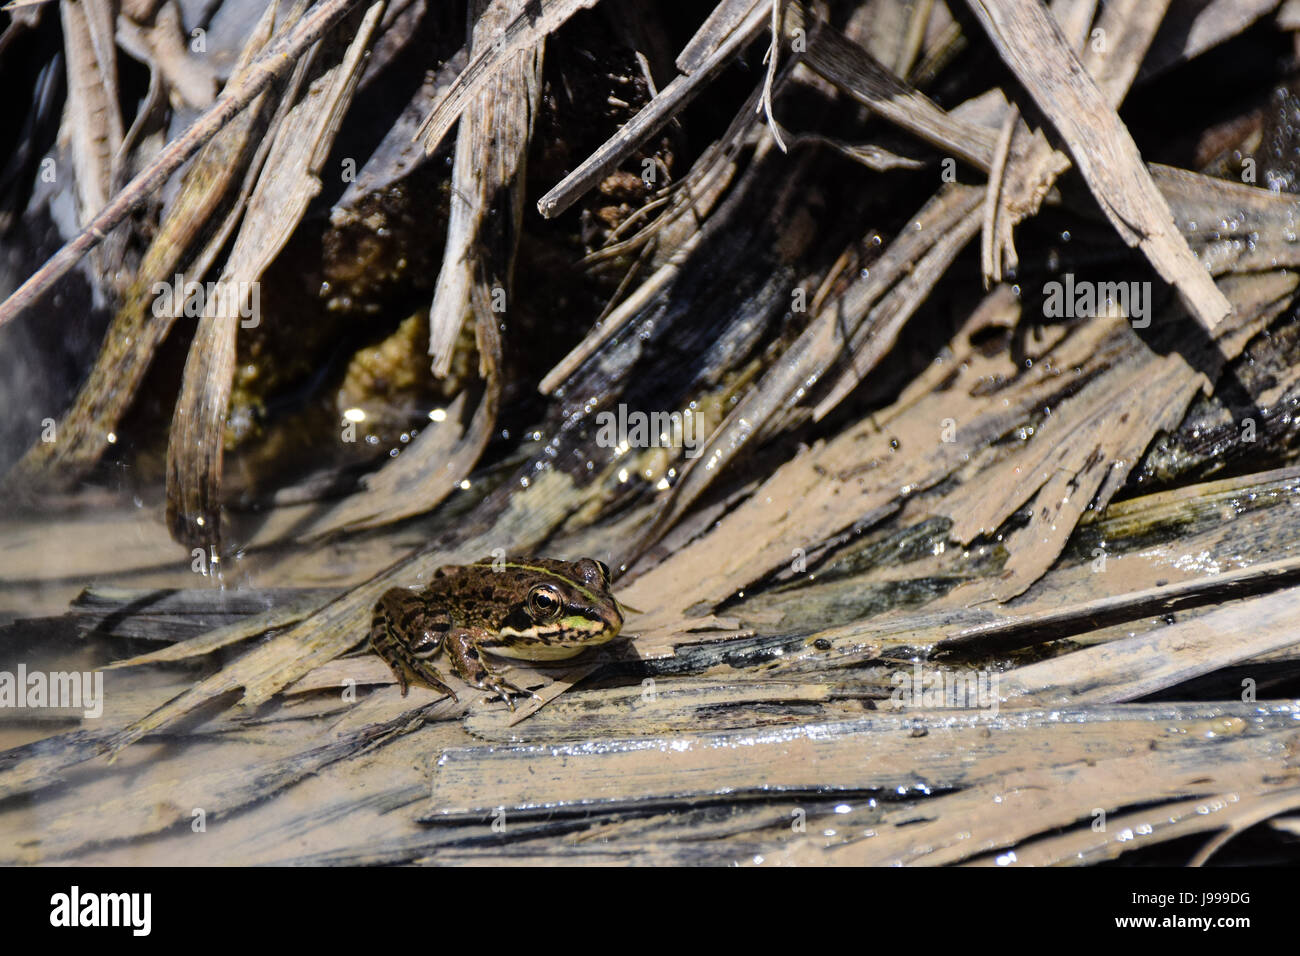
x,y
556,609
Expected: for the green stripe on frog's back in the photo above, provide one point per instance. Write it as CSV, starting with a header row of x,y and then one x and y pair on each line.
x,y
569,579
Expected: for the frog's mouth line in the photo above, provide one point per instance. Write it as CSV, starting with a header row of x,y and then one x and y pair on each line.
x,y
523,647
567,637
568,631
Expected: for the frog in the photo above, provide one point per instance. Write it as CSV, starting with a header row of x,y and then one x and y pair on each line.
x,y
533,609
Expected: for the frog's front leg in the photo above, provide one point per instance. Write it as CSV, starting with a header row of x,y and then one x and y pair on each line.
x,y
467,660
406,632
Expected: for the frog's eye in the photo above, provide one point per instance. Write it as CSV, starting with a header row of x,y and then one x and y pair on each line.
x,y
544,603
604,573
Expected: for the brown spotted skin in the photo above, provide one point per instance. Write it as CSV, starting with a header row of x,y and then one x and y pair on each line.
x,y
402,627
526,608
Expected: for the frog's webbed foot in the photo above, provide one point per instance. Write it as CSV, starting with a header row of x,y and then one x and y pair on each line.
x,y
424,674
469,664
417,674
504,689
